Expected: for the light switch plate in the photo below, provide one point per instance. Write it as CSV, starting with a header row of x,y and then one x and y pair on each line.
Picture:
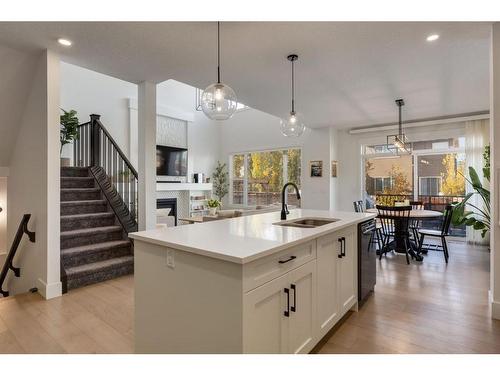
x,y
170,258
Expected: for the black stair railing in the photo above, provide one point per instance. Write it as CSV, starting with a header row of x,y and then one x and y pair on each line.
x,y
96,148
22,229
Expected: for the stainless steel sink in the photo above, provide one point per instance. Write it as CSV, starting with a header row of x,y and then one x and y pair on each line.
x,y
307,222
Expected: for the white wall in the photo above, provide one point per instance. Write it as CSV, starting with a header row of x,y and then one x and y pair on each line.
x,y
33,184
350,168
3,216
495,170
89,92
116,101
252,130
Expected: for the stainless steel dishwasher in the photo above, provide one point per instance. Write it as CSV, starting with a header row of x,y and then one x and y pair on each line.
x,y
367,258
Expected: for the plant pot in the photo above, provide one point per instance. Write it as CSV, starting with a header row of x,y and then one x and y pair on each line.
x,y
213,211
65,162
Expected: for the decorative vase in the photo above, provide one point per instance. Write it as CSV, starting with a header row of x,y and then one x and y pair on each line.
x,y
213,211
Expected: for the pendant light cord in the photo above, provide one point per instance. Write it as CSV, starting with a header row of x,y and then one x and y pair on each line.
x,y
400,122
293,88
218,52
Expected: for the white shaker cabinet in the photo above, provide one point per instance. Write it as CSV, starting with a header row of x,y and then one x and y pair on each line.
x,y
279,316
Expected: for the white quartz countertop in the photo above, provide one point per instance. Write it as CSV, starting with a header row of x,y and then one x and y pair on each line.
x,y
247,238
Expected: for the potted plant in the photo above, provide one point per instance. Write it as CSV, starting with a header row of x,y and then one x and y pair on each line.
x,y
69,132
220,179
479,219
213,205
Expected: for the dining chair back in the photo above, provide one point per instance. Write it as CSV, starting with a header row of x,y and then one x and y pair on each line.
x,y
417,205
358,206
388,216
445,227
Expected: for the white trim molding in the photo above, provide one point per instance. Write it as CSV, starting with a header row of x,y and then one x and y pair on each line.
x,y
422,122
49,291
165,111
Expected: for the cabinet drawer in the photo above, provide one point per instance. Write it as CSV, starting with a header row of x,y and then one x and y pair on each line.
x,y
263,270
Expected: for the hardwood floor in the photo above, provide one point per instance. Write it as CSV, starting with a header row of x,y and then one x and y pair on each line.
x,y
418,308
424,308
94,319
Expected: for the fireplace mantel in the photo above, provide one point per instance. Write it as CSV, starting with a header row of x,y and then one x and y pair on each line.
x,y
172,186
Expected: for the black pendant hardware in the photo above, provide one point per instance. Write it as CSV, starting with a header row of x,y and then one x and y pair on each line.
x,y
294,307
287,311
292,257
341,248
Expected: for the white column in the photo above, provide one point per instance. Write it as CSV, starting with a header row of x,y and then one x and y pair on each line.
x,y
147,155
52,279
495,169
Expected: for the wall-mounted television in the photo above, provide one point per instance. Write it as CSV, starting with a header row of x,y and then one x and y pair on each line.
x,y
171,161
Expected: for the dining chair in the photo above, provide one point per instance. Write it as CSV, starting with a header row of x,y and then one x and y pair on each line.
x,y
376,236
443,233
388,216
358,206
415,223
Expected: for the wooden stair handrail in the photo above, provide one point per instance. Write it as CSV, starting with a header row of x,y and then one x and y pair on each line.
x,y
22,229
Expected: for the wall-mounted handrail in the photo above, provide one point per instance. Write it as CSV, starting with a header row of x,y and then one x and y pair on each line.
x,y
22,229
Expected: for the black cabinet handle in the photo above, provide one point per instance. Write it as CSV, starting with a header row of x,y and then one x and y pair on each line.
x,y
287,311
292,257
341,247
294,307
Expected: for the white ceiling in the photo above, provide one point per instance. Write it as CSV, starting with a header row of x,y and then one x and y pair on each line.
x,y
348,74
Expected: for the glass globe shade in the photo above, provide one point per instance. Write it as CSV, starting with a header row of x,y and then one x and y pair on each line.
x,y
219,102
293,125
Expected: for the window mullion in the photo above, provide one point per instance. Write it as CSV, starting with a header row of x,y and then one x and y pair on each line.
x,y
245,180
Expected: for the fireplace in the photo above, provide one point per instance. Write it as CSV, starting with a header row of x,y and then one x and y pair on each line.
x,y
168,203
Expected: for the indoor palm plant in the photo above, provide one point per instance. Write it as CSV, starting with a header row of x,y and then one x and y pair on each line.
x,y
220,179
69,131
479,219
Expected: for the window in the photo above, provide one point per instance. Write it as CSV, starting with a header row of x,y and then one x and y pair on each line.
x,y
258,177
429,185
383,184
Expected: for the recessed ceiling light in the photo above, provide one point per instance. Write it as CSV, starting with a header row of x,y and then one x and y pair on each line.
x,y
64,42
432,37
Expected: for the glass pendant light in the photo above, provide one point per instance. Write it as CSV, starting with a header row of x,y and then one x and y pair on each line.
x,y
218,101
292,126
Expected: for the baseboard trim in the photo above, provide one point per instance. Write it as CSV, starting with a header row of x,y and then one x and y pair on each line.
x,y
49,291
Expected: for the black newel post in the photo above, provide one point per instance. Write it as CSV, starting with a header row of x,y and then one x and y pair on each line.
x,y
95,141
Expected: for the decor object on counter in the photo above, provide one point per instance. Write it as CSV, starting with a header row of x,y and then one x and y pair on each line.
x,y
398,143
316,168
480,217
198,178
292,126
220,181
334,168
218,101
213,205
68,123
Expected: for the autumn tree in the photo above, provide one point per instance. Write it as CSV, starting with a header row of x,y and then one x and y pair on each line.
x,y
453,180
400,183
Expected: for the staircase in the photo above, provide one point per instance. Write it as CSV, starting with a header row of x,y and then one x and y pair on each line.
x,y
94,246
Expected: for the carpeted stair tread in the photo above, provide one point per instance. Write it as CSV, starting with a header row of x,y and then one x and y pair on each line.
x,y
85,203
86,269
89,215
77,190
95,247
75,182
87,220
80,232
74,171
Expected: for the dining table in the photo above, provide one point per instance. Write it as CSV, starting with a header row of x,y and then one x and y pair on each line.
x,y
417,215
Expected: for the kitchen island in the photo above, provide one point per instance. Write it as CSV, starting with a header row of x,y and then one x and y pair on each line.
x,y
246,284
